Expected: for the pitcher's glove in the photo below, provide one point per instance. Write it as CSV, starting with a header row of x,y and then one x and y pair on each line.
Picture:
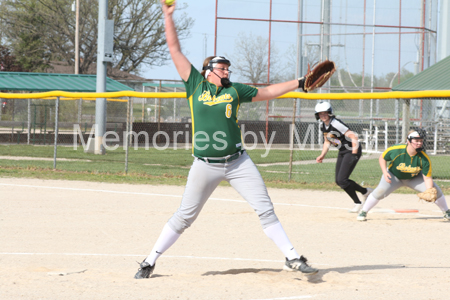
x,y
430,195
317,77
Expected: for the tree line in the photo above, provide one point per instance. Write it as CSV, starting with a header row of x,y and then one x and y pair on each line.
x,y
34,33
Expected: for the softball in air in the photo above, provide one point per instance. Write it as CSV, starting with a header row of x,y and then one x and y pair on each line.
x,y
169,2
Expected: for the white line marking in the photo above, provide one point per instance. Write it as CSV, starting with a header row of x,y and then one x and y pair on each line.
x,y
289,298
152,194
179,196
86,190
138,255
142,255
40,158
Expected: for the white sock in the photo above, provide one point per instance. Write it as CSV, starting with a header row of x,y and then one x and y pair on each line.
x,y
370,203
277,234
441,203
167,238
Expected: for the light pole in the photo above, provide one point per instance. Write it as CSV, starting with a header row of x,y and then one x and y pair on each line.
x,y
77,37
77,41
104,55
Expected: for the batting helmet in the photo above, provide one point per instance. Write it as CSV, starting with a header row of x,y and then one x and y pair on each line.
x,y
323,106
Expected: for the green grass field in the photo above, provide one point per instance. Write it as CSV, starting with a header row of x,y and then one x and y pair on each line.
x,y
171,167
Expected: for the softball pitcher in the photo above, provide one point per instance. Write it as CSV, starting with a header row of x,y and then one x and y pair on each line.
x,y
337,133
218,151
408,166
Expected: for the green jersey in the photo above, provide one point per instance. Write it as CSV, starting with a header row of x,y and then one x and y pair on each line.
x,y
404,166
215,128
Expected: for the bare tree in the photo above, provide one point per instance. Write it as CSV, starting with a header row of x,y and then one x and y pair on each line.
x,y
250,61
139,37
251,57
309,50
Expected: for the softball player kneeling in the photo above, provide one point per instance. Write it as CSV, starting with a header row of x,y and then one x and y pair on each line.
x,y
408,166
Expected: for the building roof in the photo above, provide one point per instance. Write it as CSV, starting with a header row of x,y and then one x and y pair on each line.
x,y
435,77
43,82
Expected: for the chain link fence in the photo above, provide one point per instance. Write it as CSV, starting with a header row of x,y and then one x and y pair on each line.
x,y
285,127
32,121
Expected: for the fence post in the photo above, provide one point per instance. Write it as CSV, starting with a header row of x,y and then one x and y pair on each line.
x,y
159,111
80,103
376,138
386,128
366,140
156,104
174,106
435,137
56,131
127,135
12,118
397,121
291,140
29,122
143,105
406,118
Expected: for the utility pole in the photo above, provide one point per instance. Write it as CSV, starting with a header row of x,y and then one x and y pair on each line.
x,y
205,45
301,61
104,55
325,34
77,36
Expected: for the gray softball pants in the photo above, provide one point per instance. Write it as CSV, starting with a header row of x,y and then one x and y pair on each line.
x,y
384,188
203,179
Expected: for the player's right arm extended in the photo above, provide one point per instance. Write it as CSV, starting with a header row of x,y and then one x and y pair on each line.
x,y
181,62
326,147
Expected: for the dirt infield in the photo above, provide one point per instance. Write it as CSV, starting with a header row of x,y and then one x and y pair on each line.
x,y
81,240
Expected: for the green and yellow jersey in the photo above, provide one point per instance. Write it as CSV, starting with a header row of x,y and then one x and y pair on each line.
x,y
404,166
215,128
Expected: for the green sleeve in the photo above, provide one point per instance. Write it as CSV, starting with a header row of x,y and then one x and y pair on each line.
x,y
192,83
387,155
245,92
426,167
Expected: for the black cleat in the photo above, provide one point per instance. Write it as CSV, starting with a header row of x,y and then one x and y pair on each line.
x,y
145,270
299,264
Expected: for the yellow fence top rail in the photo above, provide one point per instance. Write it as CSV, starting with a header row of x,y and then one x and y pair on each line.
x,y
311,96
